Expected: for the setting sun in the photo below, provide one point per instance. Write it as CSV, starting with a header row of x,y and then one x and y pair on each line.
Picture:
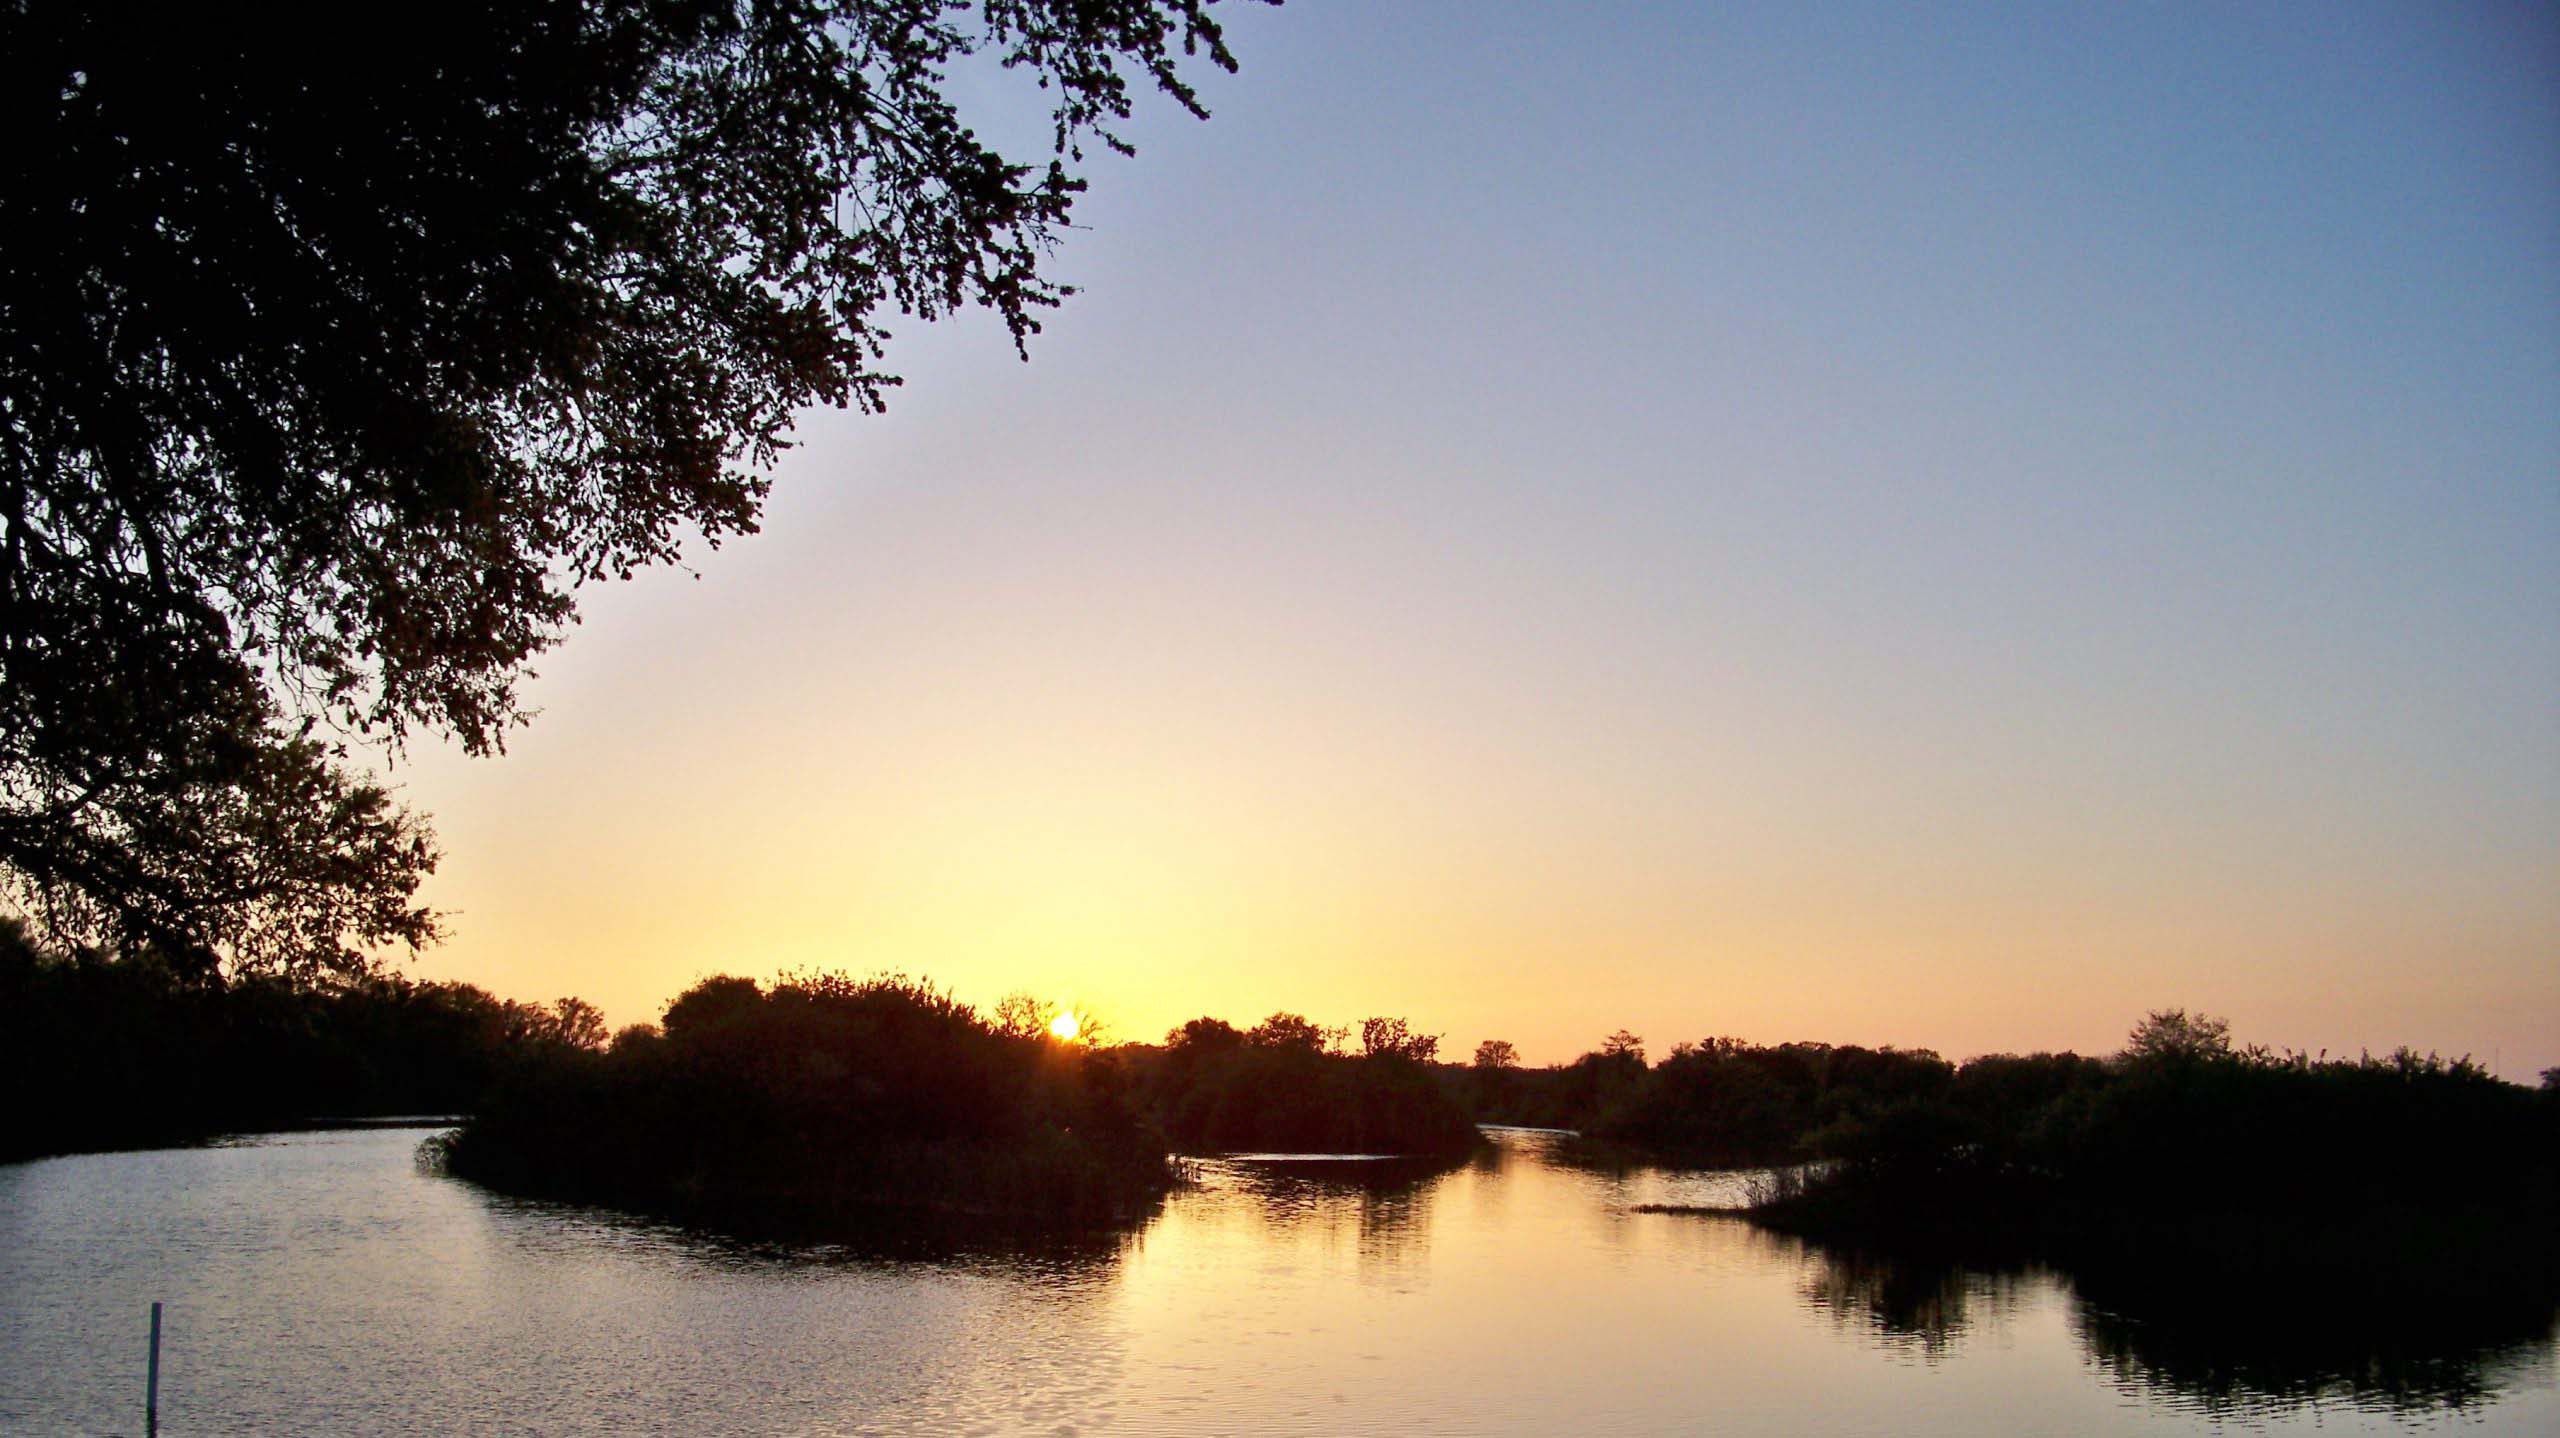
x,y
1064,1025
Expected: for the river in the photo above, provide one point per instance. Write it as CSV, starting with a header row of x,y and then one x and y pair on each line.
x,y
331,1283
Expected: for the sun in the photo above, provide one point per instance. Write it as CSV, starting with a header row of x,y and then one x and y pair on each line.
x,y
1064,1025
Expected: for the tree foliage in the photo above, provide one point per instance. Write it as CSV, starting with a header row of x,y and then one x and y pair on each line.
x,y
328,373
1290,1031
1020,1015
1393,1038
2176,1036
1286,1086
818,1106
103,1053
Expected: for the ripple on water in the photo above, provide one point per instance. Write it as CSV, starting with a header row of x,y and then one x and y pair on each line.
x,y
323,1283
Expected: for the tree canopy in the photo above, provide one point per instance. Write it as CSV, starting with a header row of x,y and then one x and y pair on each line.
x,y
1393,1038
2176,1036
330,369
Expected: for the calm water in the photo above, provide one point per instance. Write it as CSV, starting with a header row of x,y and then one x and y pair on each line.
x,y
324,1283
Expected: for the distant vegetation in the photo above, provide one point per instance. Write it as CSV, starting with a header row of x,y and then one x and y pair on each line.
x,y
825,1098
1287,1085
822,1103
2408,1172
102,1053
830,1103
816,1103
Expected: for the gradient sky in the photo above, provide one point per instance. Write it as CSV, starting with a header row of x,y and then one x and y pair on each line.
x,y
1928,525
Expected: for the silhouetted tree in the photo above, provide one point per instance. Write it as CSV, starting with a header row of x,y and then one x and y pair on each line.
x,y
1285,1086
329,369
2185,1150
1204,1034
1497,1054
102,1051
1725,1100
1622,1045
2176,1036
579,1024
717,1003
823,1099
1395,1039
1289,1031
1019,1015
1092,1030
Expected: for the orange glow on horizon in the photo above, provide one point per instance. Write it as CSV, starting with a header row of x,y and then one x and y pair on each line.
x,y
1327,644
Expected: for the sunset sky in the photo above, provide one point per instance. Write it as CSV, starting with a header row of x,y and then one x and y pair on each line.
x,y
1945,526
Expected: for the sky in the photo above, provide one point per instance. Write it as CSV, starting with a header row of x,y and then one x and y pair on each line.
x,y
1945,526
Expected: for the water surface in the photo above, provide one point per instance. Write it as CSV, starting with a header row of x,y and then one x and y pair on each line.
x,y
326,1283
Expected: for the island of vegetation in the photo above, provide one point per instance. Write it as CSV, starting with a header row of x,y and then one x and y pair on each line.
x,y
2399,1177
823,1101
1288,1086
819,1104
827,1103
816,1104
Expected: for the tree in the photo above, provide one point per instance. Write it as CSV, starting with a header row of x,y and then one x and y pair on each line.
x,y
1290,1031
327,378
2176,1036
1395,1039
722,1001
1623,1047
1497,1054
579,1025
1204,1035
1019,1015
633,1038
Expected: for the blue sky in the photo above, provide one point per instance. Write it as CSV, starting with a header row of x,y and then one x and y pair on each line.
x,y
1943,526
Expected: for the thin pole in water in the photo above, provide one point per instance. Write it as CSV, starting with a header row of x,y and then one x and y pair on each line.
x,y
151,1394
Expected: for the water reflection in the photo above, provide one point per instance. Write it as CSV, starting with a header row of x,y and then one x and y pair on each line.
x,y
534,1227
318,1283
2184,1340
1921,1308
2187,1342
1383,1205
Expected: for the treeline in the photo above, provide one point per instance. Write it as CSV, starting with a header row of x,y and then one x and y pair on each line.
x,y
102,1053
2407,1171
1287,1085
818,1104
822,1097
809,1103
826,1104
1725,1102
